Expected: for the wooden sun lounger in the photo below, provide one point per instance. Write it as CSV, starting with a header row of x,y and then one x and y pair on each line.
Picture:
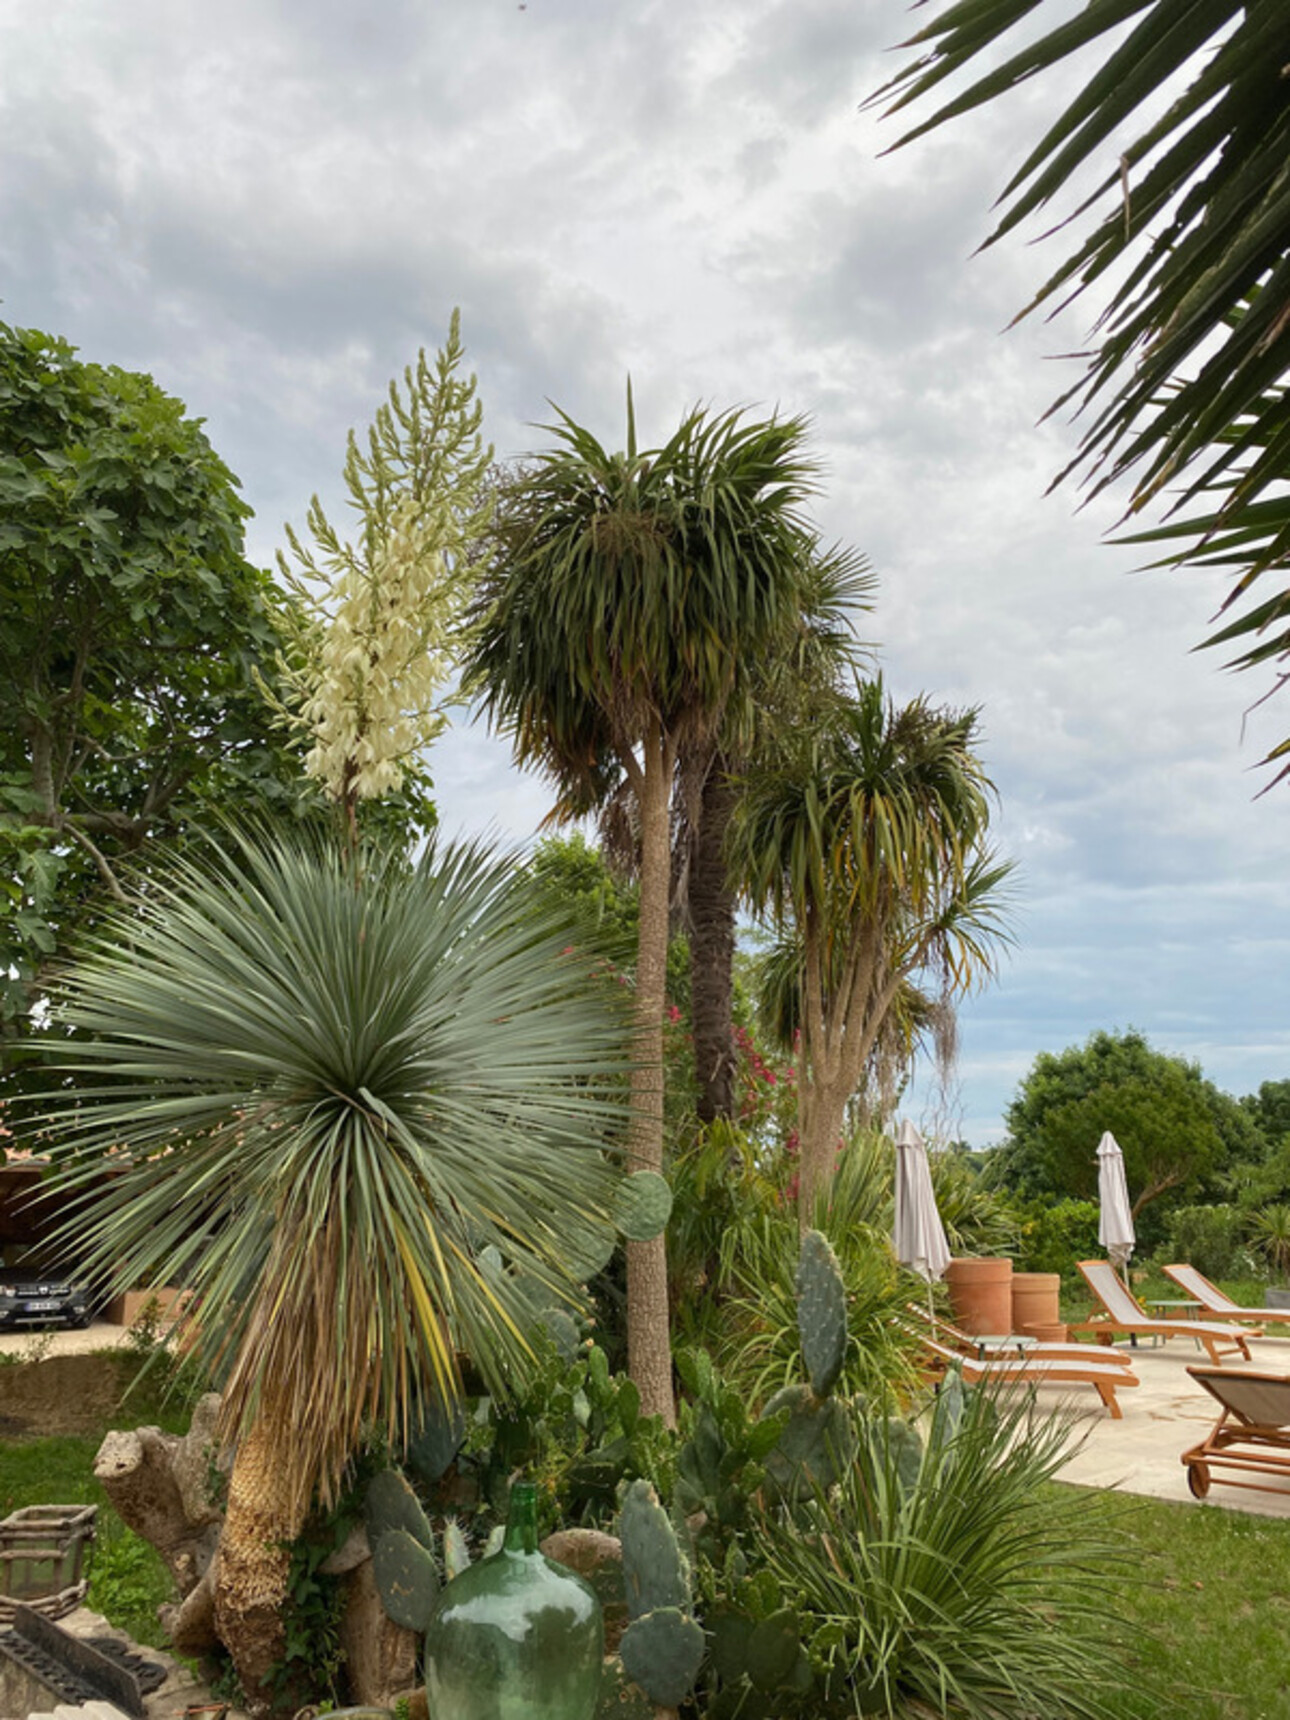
x,y
956,1339
1123,1313
1214,1305
1251,1436
1101,1372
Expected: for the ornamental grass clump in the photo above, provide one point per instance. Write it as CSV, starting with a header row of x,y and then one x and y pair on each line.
x,y
955,1582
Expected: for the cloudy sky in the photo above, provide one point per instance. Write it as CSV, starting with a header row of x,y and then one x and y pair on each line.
x,y
271,205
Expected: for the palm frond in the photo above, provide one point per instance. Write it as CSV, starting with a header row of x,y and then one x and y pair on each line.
x,y
1189,225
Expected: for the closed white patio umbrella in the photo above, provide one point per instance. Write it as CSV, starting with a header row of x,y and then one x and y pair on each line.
x,y
1115,1219
919,1235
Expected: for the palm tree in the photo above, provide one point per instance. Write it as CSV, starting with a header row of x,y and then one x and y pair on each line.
x,y
1189,230
335,1089
793,685
626,599
870,840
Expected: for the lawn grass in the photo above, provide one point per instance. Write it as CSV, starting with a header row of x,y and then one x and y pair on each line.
x,y
127,1579
1204,1595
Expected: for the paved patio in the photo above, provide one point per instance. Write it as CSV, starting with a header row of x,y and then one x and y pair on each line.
x,y
99,1335
1164,1415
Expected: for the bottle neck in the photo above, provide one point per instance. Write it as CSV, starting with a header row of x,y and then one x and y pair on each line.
x,y
521,1519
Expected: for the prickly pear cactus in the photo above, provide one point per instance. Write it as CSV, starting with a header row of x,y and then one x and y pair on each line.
x,y
430,1453
904,1452
663,1647
662,1652
403,1565
620,1698
821,1312
642,1206
405,1578
391,1504
817,1443
656,1573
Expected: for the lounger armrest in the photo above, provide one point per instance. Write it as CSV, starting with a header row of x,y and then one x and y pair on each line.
x,y
1096,1326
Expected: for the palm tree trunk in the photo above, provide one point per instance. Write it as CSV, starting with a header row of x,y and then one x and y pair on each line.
x,y
261,1521
649,1348
712,949
820,1130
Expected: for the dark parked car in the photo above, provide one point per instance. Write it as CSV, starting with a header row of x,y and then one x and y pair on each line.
x,y
31,1297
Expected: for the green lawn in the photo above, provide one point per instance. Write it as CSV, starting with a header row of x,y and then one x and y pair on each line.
x,y
1205,1596
127,1578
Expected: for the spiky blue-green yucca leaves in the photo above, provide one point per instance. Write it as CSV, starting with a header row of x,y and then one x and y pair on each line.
x,y
336,1087
946,1578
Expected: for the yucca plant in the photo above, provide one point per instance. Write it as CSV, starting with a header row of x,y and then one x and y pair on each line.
x,y
331,1088
969,1590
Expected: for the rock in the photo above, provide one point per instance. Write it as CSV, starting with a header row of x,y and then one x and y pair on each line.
x,y
349,1555
598,1560
380,1656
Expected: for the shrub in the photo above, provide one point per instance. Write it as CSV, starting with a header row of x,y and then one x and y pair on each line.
x,y
1210,1238
1055,1235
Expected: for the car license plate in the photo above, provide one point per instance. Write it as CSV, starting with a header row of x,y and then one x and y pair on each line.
x,y
46,1305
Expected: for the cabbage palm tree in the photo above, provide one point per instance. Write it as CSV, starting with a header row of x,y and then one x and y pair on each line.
x,y
332,1090
626,600
1187,228
793,685
870,840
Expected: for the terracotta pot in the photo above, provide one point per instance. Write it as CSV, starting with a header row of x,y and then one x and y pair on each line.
x,y
1036,1299
1047,1331
981,1294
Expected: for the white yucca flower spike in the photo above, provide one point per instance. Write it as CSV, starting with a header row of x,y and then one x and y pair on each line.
x,y
371,647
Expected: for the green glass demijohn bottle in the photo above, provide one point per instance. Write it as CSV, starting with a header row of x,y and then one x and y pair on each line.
x,y
516,1636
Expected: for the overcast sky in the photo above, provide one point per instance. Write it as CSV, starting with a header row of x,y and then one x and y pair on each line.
x,y
271,205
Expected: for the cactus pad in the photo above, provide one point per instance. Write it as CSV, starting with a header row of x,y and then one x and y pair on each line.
x,y
655,1571
642,1206
562,1329
405,1578
773,1647
620,1699
821,1312
662,1653
815,1446
588,1252
391,1504
430,1454
904,1452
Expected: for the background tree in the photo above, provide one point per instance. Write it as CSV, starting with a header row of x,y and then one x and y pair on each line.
x,y
869,841
625,599
1174,1127
131,633
1186,229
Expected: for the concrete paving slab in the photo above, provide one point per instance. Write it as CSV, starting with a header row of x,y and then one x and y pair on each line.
x,y
37,1345
1164,1416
